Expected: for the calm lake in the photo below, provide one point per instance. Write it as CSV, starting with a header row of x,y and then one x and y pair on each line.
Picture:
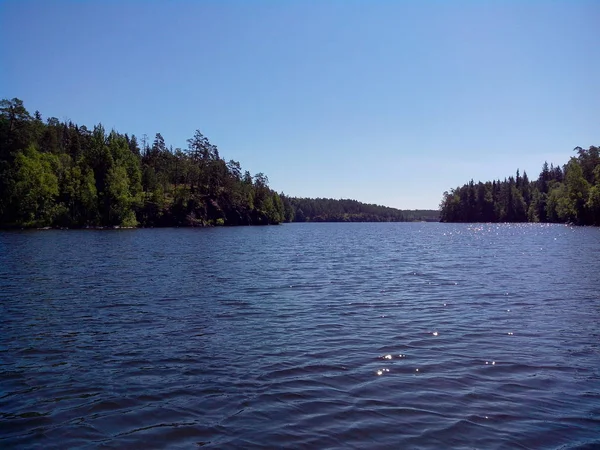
x,y
406,335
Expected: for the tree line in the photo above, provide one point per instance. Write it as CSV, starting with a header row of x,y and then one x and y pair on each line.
x,y
345,210
59,174
567,194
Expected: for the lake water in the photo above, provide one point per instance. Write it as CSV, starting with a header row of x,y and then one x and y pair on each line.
x,y
417,336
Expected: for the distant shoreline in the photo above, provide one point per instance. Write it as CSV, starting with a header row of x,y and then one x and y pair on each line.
x,y
61,175
117,228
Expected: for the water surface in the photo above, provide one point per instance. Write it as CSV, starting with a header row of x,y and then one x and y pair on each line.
x,y
420,336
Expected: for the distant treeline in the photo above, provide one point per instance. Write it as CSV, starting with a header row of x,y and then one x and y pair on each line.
x,y
570,194
330,210
59,174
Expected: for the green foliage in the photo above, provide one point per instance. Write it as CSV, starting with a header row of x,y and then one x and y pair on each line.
x,y
57,173
118,198
34,188
570,194
593,202
331,210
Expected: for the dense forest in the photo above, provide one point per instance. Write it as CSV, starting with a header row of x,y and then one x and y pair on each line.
x,y
59,174
570,194
330,210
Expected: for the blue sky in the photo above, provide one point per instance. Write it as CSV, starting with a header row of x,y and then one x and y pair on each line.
x,y
388,102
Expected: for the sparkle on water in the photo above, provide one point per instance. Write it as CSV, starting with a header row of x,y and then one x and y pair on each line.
x,y
301,336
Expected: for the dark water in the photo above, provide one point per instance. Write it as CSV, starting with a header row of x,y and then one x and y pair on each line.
x,y
301,336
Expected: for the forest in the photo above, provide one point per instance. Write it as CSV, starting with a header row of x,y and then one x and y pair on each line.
x,y
59,174
567,194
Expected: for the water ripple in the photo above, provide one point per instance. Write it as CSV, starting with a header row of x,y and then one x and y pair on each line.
x,y
301,336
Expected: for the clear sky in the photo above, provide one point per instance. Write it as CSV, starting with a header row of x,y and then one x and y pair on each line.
x,y
388,102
